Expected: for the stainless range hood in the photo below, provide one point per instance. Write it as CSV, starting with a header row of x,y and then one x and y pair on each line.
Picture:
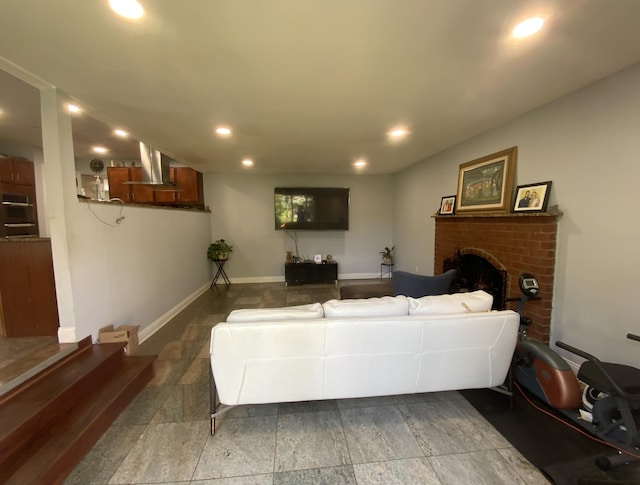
x,y
155,170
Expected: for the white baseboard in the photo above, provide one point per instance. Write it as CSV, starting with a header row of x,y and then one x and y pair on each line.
x,y
161,321
280,279
67,335
257,279
574,367
360,276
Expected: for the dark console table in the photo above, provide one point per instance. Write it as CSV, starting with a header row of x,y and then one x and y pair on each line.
x,y
302,273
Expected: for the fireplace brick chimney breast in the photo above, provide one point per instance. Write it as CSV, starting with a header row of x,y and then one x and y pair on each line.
x,y
517,243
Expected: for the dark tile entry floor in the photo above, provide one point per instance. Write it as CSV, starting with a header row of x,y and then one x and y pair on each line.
x,y
562,454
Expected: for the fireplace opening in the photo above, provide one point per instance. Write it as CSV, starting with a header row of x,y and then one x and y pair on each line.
x,y
476,273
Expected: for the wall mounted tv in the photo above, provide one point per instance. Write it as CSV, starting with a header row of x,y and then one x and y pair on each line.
x,y
311,208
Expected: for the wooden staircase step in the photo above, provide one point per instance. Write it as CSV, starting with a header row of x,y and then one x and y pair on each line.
x,y
51,420
81,346
61,447
37,406
32,362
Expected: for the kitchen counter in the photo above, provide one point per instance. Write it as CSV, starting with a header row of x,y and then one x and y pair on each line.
x,y
147,206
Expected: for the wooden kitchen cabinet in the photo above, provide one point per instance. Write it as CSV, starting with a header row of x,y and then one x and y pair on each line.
x,y
188,189
17,171
117,176
190,183
167,194
141,194
131,193
28,305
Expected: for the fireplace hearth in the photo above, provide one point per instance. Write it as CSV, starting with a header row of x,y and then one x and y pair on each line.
x,y
510,245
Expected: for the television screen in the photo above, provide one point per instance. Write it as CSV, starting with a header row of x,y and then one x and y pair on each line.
x,y
311,208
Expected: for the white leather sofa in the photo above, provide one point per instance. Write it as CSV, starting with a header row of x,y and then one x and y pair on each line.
x,y
361,348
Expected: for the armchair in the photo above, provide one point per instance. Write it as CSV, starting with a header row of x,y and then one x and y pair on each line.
x,y
402,283
416,286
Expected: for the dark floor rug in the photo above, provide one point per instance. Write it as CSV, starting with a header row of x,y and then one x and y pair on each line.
x,y
585,472
565,456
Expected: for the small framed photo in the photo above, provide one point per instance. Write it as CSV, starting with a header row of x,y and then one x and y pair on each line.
x,y
532,197
447,205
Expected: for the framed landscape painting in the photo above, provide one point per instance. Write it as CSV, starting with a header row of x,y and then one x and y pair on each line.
x,y
485,184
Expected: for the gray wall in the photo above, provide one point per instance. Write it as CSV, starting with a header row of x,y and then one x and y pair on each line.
x,y
242,213
588,144
139,272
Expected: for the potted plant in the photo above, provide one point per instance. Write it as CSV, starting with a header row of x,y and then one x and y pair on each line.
x,y
387,254
219,250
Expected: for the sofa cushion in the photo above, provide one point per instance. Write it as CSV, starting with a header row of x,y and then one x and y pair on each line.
x,y
386,306
475,301
299,312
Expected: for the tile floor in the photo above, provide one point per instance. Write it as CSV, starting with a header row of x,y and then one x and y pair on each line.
x,y
163,436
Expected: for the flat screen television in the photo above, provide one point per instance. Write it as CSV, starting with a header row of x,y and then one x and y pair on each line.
x,y
311,208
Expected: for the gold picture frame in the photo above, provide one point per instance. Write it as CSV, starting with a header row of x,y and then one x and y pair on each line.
x,y
485,185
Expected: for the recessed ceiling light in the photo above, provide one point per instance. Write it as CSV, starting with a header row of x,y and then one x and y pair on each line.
x,y
223,131
130,9
99,149
398,133
528,27
247,162
361,163
120,133
72,108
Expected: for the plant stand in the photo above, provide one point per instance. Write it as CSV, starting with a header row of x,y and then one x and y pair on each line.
x,y
386,268
220,272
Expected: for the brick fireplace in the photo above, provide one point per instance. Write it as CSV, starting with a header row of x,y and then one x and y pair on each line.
x,y
515,243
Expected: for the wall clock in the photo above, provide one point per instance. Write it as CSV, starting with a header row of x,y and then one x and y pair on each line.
x,y
96,165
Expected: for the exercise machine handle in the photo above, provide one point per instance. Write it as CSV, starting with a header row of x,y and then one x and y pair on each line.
x,y
595,361
631,336
576,351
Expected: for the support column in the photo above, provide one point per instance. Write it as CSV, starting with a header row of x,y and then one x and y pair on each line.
x,y
59,171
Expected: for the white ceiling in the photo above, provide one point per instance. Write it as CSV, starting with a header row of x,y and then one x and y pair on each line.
x,y
307,86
